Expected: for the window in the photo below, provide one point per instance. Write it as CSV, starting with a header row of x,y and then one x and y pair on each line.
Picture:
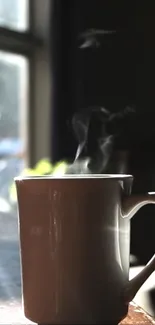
x,y
14,14
24,110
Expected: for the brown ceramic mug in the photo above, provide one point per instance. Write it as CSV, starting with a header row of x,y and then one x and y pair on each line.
x,y
75,246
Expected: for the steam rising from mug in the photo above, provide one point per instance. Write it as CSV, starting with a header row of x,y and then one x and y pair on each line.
x,y
97,131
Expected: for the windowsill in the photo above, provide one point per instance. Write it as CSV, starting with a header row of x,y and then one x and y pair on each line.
x,y
12,313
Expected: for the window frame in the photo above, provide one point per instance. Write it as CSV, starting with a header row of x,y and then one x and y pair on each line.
x,y
33,44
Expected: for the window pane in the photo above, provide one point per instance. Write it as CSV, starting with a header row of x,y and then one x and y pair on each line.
x,y
14,14
13,142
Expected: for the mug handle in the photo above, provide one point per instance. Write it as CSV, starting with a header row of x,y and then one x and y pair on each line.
x,y
130,206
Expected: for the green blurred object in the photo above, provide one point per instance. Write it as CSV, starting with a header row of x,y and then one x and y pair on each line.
x,y
60,168
29,172
43,167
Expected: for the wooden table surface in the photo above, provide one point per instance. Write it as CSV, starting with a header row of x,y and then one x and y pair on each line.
x,y
137,316
14,315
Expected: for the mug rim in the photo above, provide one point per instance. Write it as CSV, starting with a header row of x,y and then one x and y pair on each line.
x,y
73,177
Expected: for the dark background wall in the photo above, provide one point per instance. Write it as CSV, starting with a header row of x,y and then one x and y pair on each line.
x,y
119,73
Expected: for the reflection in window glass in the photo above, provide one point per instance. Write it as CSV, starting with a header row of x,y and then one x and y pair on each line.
x,y
13,139
14,14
